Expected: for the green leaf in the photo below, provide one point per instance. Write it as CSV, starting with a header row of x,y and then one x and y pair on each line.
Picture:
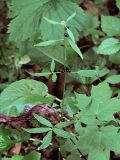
x,y
71,35
98,143
91,23
17,157
113,79
20,93
59,11
46,140
47,43
26,20
32,18
24,60
40,74
52,21
74,157
43,120
82,100
75,48
115,58
109,46
110,25
102,107
37,130
5,140
71,17
33,155
63,124
92,73
62,133
52,66
54,77
97,90
118,3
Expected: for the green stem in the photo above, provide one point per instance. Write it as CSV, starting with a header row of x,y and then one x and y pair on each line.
x,y
64,65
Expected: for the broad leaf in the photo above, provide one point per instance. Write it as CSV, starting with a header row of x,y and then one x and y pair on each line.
x,y
17,157
109,46
98,143
110,25
25,24
118,3
113,79
5,140
22,92
30,18
102,107
33,155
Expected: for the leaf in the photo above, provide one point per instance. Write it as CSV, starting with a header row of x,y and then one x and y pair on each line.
x,y
110,25
40,74
17,157
82,100
102,107
51,21
92,73
26,20
113,79
20,93
62,133
115,58
31,18
5,140
74,157
47,43
109,46
54,77
118,3
37,130
24,60
71,17
46,140
98,143
75,48
63,124
59,11
43,120
96,92
91,23
33,155
71,35
52,66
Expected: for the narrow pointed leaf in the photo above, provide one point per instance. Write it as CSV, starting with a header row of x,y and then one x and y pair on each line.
x,y
71,35
47,43
71,17
46,140
43,120
37,130
51,21
75,48
62,133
